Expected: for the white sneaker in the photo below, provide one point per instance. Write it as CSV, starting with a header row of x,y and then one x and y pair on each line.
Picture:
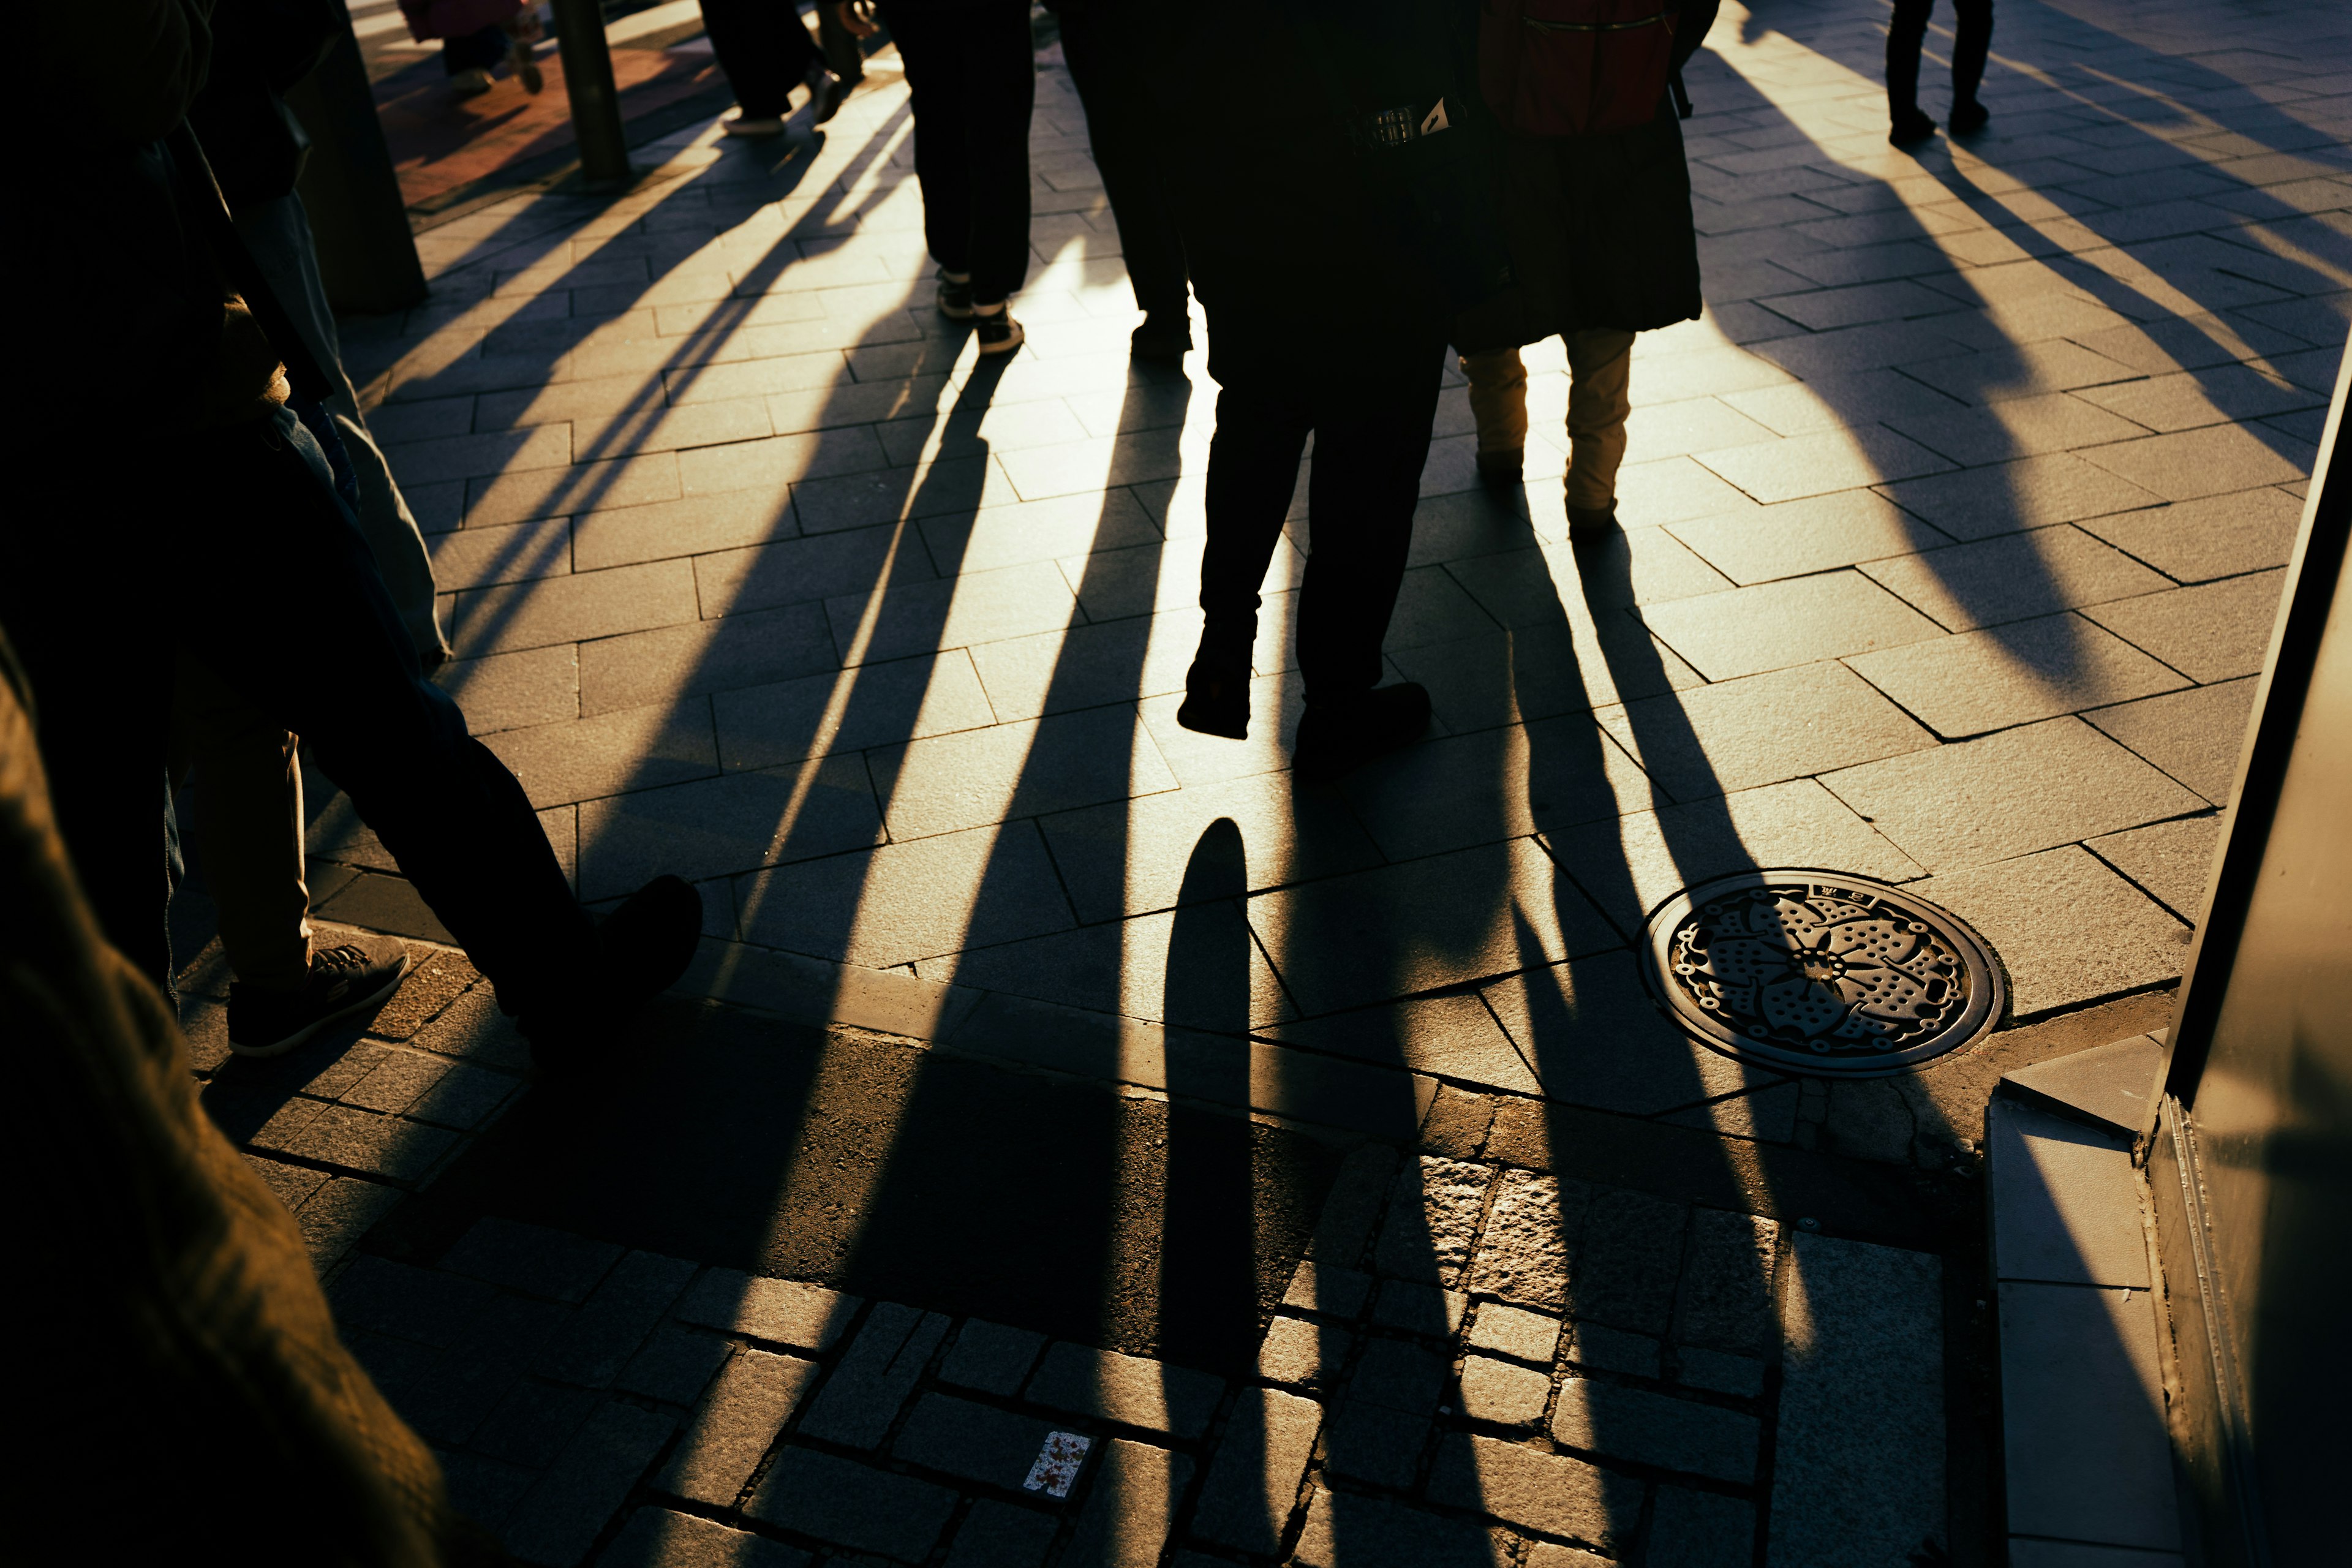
x,y
750,125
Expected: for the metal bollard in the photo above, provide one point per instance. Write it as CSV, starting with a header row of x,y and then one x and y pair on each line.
x,y
595,101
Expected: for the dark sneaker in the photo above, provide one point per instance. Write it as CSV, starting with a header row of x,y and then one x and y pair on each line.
x,y
637,953
1969,117
1910,129
1586,524
825,92
351,976
1216,700
1336,737
1500,470
998,332
1166,337
955,296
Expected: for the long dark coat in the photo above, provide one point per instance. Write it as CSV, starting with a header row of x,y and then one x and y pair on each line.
x,y
1599,226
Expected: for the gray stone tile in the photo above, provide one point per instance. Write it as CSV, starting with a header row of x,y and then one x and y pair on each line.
x,y
903,903
1253,1485
2216,631
716,827
848,1504
2064,1200
1087,666
1659,1429
1344,1527
1338,943
784,1311
1129,1390
1551,1493
633,749
2218,394
2023,1554
518,553
571,608
874,1376
1429,1310
509,690
1592,1037
2031,492
981,606
656,1538
754,1395
1502,1394
1461,791
695,525
2188,464
1453,1037
1129,1507
1527,587
661,666
1798,538
1858,1460
584,487
2172,861
1701,1530
2195,735
2013,674
2085,1451
1775,625
943,784
1798,465
1066,526
1615,1349
1304,1354
1000,1535
560,1516
975,1442
1197,967
1513,1330
1762,729
2008,794
2013,577
2034,910
1434,1214
991,1357
873,705
2215,536
1721,1371
1543,670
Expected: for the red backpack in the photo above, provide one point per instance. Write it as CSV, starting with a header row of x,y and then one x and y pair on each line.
x,y
1570,67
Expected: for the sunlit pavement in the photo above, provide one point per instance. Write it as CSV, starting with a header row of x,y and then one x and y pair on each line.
x,y
1954,539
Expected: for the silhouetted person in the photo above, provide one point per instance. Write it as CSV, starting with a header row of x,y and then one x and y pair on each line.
x,y
1971,41
1113,47
766,52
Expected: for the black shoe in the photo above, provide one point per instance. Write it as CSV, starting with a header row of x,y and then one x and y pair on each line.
x,y
955,296
1586,523
637,953
1910,129
998,332
1335,737
1969,117
1162,337
349,977
1216,700
1500,470
825,92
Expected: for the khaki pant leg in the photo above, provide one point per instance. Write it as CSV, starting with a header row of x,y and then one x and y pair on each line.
x,y
248,825
1498,399
1600,396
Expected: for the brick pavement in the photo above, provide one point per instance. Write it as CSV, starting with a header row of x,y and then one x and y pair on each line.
x,y
1954,537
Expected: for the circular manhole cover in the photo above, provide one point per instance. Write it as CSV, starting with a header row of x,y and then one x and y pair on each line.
x,y
1821,974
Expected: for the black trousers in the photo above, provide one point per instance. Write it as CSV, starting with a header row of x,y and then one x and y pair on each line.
x,y
1972,40
244,559
972,75
1372,437
764,49
1111,64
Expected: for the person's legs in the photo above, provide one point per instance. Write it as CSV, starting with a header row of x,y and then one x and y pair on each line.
x,y
1971,42
1124,133
1360,504
248,825
478,50
1498,399
937,86
1252,472
762,48
1001,87
1904,36
1600,396
278,234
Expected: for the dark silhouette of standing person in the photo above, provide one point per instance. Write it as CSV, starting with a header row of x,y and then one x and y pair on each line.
x,y
766,52
1971,41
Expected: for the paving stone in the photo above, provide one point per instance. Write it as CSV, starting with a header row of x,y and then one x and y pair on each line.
x,y
1305,1354
1656,1429
739,823
1551,1554
2013,674
606,1332
745,1409
1764,729
1551,1493
2064,1201
1858,1454
532,1422
1432,1218
1321,1288
849,1504
946,782
532,1259
1719,1372
656,1538
2195,735
1343,1231
1493,784
1370,1443
1000,1535
2216,631
1414,1307
2031,492
1345,1527
2013,577
1396,1375
1196,967
2218,536
2186,464
1524,1254
2172,861
560,1516
1127,1389
1506,1396
1129,1507
1626,1260
518,553
978,1442
782,1311
675,1366
1511,1332
1589,1027
571,608
1700,1529
991,1357
1773,626
1615,1349
760,647
881,704
2028,907
1798,465
339,1214
1726,1295
875,1375
1253,1485
2009,795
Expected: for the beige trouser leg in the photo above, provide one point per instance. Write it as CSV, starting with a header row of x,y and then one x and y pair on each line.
x,y
248,825
1600,396
1498,399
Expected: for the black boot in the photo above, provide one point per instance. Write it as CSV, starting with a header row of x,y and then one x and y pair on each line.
x,y
1216,688
636,953
1335,736
1968,116
1910,128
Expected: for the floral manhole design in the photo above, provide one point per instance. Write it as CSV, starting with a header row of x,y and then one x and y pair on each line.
x,y
1814,972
